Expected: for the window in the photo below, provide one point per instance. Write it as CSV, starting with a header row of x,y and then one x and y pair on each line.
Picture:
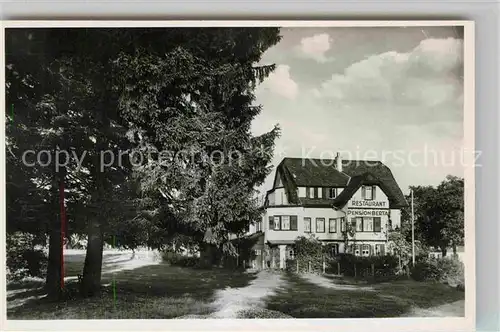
x,y
285,223
359,224
332,192
315,192
320,225
368,192
257,252
308,192
377,225
357,250
366,250
307,225
367,224
379,249
277,223
291,254
332,227
335,249
353,224
293,223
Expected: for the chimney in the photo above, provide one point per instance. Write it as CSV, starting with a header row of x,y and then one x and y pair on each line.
x,y
338,162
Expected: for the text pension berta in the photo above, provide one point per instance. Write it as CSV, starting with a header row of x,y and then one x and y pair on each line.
x,y
372,213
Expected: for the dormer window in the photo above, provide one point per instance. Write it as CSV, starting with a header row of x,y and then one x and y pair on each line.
x,y
332,193
368,192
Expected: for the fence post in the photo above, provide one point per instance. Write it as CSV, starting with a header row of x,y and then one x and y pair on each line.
x,y
355,272
324,267
297,266
309,266
373,270
338,268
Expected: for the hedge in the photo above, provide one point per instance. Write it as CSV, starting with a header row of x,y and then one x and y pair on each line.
x,y
351,265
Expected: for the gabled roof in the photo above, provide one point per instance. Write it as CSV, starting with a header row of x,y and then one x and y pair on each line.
x,y
314,172
306,172
382,177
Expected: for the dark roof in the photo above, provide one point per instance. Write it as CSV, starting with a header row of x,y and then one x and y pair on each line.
x,y
307,172
316,202
314,172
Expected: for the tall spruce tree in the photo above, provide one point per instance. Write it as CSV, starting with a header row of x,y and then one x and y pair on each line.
x,y
191,110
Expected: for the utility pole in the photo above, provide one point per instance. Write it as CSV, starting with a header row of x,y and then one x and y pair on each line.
x,y
412,230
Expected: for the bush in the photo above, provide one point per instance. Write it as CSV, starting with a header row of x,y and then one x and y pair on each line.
x,y
425,271
452,271
309,252
445,270
179,260
24,259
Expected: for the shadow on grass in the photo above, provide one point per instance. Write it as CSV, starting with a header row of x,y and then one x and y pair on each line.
x,y
302,299
172,281
156,291
25,284
28,293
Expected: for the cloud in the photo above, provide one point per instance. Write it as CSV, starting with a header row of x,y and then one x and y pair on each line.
x,y
281,83
315,47
392,102
429,75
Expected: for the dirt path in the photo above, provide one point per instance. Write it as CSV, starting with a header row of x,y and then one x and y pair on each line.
x,y
230,301
321,281
454,309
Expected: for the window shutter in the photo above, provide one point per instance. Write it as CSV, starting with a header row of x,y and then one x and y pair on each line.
x,y
382,249
376,224
363,192
315,192
325,193
293,223
271,222
373,192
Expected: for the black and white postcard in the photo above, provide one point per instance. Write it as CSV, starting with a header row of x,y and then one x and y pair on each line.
x,y
301,174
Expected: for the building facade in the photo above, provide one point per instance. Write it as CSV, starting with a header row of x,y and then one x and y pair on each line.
x,y
330,199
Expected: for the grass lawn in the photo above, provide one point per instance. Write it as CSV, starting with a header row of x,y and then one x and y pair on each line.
x,y
157,291
302,299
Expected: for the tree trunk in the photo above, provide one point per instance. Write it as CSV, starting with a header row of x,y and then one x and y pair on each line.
x,y
53,280
91,283
53,283
443,251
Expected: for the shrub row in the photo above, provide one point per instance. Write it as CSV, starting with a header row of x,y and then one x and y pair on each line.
x,y
445,270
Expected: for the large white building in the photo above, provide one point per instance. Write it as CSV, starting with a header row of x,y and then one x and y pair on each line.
x,y
318,196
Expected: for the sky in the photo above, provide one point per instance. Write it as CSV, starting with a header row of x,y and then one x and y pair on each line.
x,y
393,94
